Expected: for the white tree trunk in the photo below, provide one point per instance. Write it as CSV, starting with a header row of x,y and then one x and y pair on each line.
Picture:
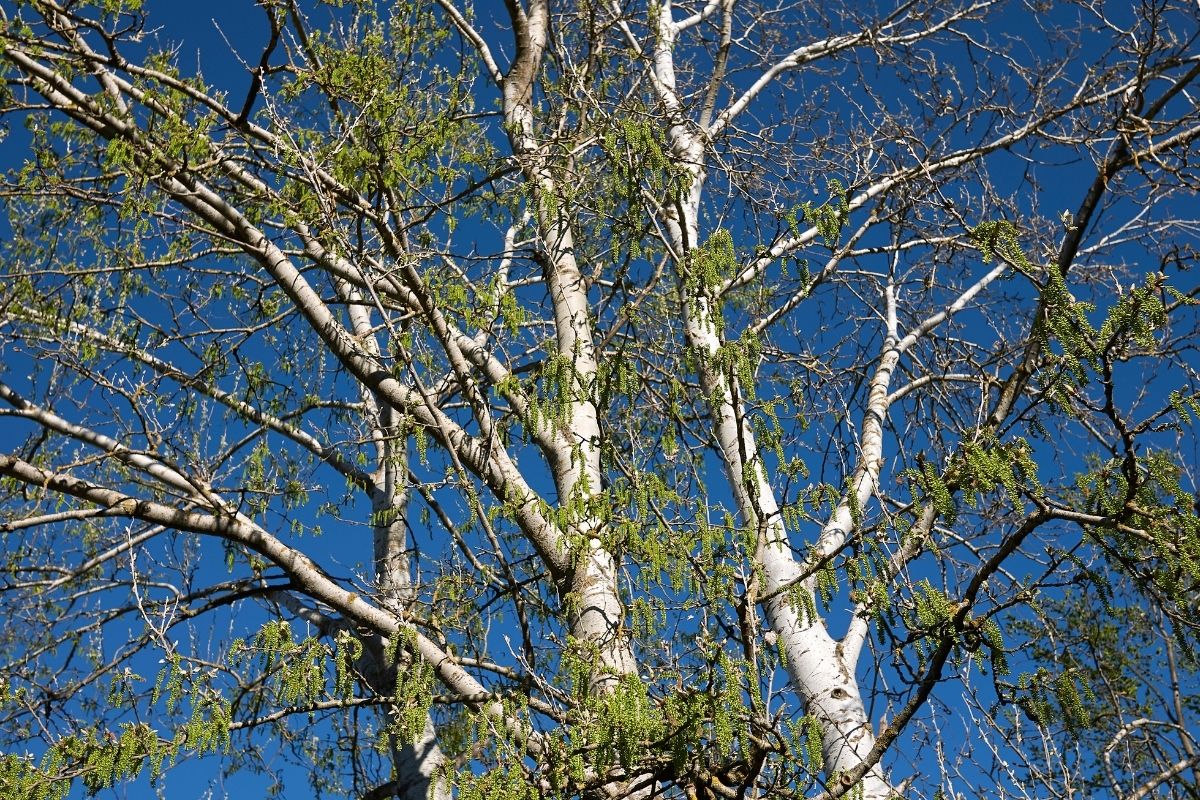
x,y
571,444
821,676
417,765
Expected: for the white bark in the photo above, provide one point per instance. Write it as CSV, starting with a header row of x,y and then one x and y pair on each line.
x,y
418,765
572,444
818,672
367,272
306,575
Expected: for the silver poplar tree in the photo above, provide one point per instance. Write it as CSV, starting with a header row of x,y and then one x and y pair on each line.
x,y
713,399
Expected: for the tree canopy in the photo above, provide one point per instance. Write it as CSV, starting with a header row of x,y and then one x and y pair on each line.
x,y
723,399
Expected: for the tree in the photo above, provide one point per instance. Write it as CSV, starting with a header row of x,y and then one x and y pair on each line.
x,y
731,406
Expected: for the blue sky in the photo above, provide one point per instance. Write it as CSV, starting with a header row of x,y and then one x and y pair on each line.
x,y
220,38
